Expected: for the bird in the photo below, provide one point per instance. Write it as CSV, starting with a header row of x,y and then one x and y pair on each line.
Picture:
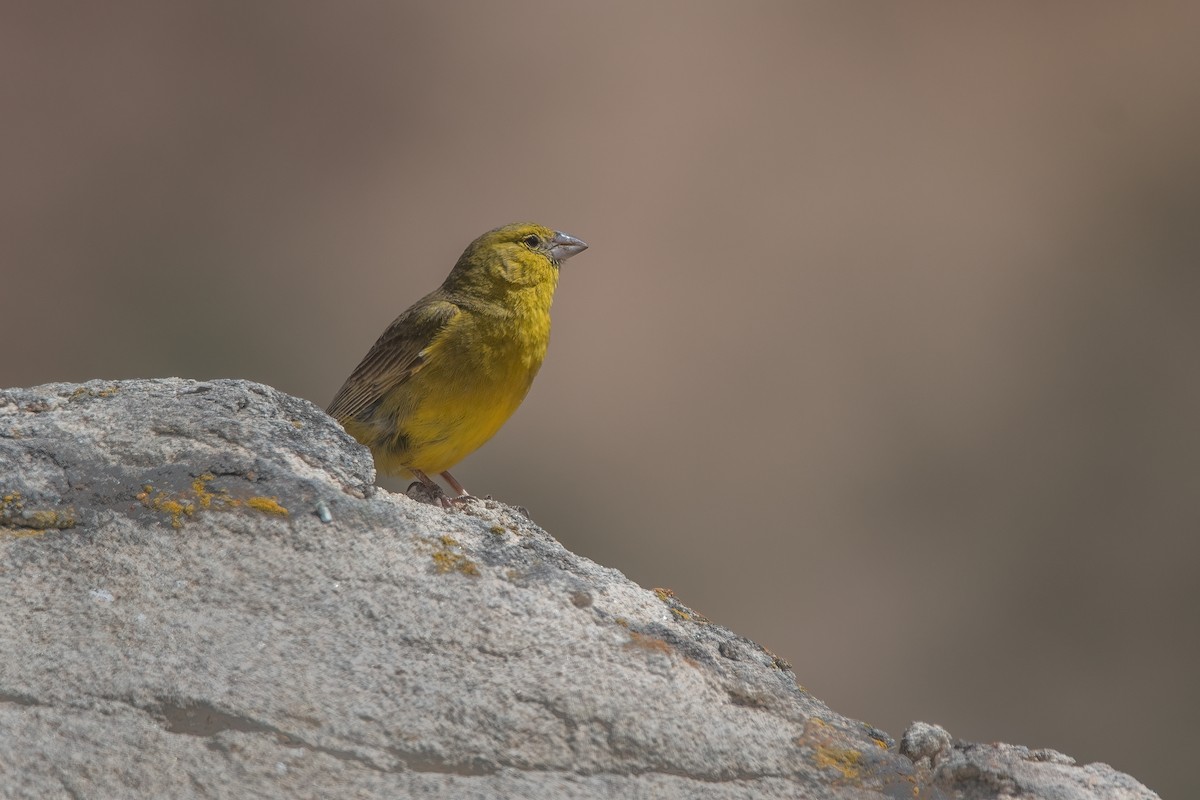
x,y
448,372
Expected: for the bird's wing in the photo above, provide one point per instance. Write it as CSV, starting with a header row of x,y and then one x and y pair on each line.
x,y
395,357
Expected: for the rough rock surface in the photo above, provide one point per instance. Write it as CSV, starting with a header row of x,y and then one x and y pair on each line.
x,y
179,621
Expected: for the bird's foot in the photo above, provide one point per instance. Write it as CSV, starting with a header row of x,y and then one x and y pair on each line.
x,y
456,501
424,493
426,490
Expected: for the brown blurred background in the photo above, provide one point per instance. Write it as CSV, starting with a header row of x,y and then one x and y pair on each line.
x,y
884,353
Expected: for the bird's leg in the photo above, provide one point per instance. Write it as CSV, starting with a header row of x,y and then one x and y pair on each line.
x,y
458,487
426,481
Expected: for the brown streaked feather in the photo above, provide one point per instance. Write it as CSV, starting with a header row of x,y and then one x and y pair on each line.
x,y
394,358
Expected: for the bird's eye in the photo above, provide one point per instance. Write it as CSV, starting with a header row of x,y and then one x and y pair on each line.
x,y
533,240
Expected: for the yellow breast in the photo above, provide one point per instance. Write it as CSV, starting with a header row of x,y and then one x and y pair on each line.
x,y
476,375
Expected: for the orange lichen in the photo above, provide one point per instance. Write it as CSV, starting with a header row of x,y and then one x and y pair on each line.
x,y
650,643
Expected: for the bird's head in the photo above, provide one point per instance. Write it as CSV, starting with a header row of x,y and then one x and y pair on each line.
x,y
518,255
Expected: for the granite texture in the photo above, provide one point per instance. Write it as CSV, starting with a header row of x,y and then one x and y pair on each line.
x,y
206,596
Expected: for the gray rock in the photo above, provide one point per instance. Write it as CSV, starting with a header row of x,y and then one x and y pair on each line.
x,y
1006,770
205,596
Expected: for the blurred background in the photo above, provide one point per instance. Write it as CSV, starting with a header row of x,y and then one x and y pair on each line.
x,y
884,353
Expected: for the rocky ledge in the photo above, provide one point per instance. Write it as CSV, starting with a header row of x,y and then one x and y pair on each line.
x,y
206,596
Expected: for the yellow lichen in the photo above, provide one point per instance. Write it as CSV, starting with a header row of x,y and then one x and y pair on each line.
x,y
186,504
267,505
19,533
29,522
445,559
107,391
176,508
200,486
46,519
681,612
845,760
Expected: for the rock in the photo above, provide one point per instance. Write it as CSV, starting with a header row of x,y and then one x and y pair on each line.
x,y
1005,770
205,596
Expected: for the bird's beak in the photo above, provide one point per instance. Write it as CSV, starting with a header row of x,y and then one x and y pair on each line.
x,y
563,247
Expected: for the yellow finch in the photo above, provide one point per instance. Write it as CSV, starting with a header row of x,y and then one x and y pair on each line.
x,y
452,369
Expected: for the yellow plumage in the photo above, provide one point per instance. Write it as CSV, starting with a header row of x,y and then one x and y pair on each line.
x,y
449,371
